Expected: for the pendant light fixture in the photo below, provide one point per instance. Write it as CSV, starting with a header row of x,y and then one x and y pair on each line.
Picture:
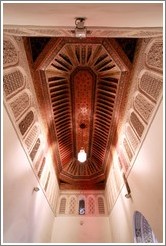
x,y
82,156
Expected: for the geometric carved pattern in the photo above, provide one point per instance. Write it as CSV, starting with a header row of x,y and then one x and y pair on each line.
x,y
127,148
142,230
147,232
151,85
101,207
12,82
41,167
62,207
26,122
10,54
20,104
154,58
91,205
46,185
136,123
37,163
113,187
72,205
146,91
35,149
120,164
19,101
143,106
123,161
132,138
32,136
138,226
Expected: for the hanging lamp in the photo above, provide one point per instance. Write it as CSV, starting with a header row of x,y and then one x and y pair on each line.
x,y
82,156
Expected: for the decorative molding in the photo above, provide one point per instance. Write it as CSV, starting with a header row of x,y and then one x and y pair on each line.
x,y
61,31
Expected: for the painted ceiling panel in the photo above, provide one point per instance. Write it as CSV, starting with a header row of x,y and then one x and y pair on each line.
x,y
84,82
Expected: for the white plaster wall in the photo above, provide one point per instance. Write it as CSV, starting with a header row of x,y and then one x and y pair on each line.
x,y
97,14
27,217
93,230
146,183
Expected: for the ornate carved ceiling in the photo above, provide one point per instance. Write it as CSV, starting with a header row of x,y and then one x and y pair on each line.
x,y
82,81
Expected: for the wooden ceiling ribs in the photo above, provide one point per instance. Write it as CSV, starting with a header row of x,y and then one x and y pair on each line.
x,y
82,81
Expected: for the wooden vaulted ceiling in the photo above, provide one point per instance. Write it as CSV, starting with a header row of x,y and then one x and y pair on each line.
x,y
82,81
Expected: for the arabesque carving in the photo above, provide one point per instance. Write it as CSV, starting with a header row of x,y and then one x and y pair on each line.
x,y
20,104
151,84
10,54
143,106
154,57
13,82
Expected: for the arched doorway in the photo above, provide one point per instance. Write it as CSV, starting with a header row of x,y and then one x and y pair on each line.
x,y
142,230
